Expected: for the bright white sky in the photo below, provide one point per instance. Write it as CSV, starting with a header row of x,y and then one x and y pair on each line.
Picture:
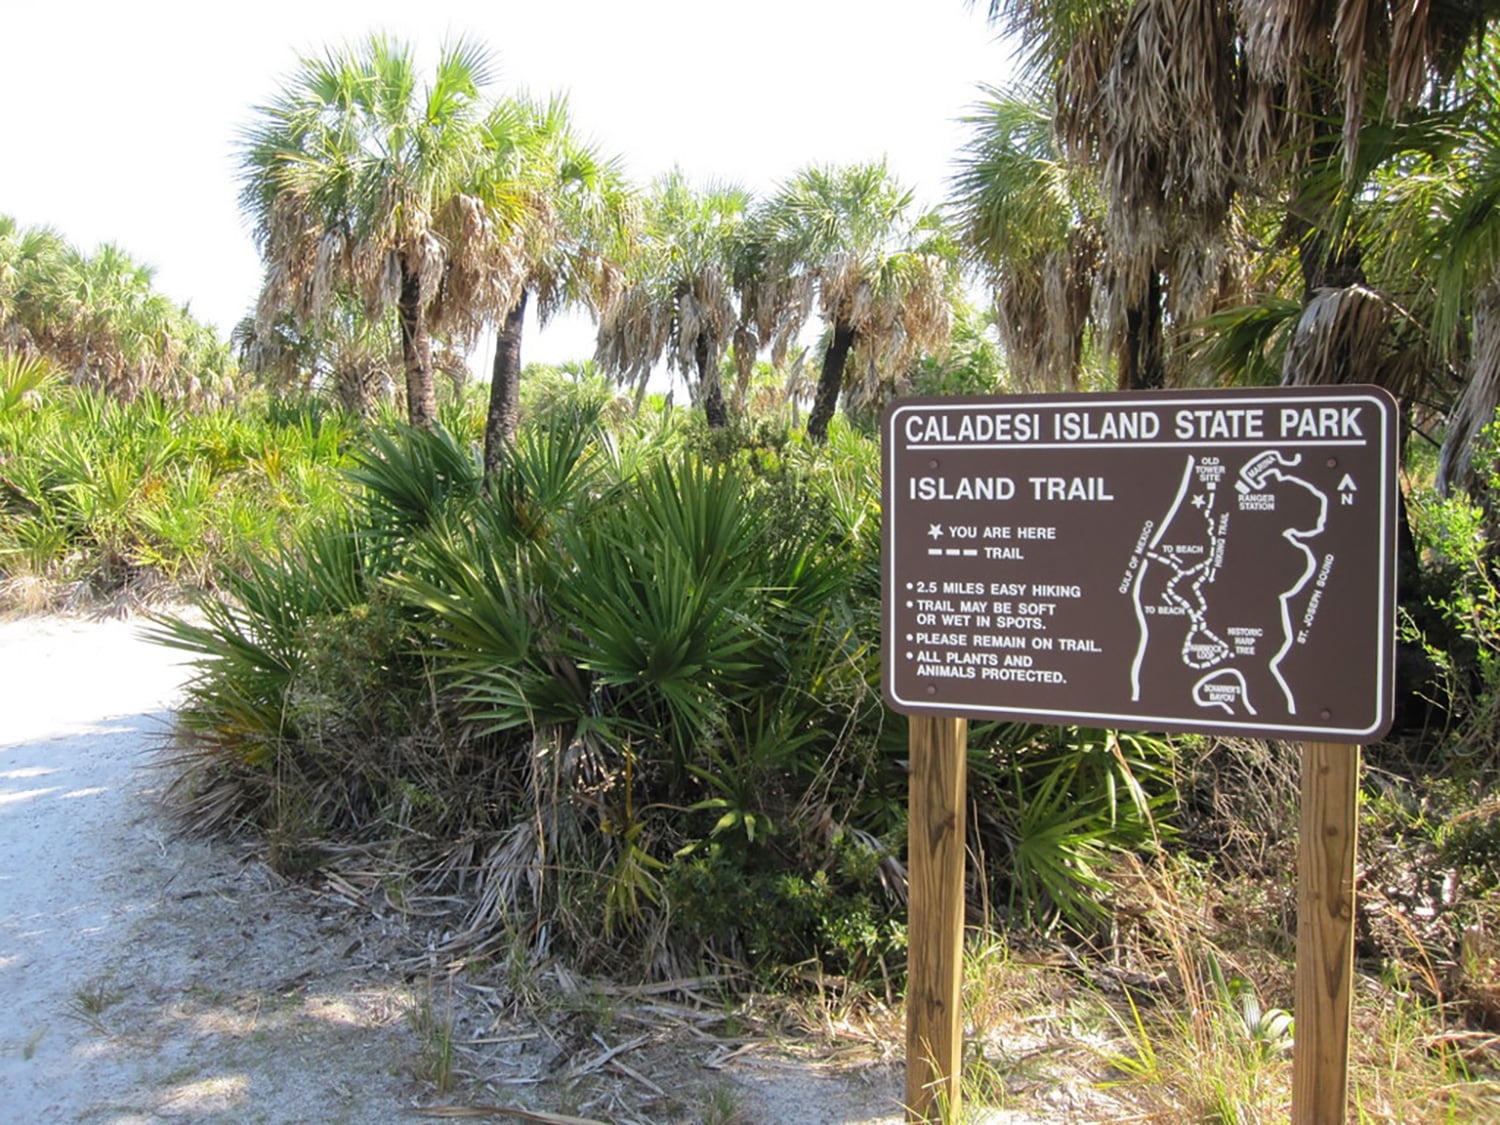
x,y
118,120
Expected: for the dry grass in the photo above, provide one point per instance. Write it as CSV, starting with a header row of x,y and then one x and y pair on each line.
x,y
1175,1025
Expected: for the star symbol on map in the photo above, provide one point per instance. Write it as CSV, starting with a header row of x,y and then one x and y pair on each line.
x,y
1199,500
935,530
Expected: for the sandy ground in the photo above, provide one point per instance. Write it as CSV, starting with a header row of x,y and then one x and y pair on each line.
x,y
144,977
147,978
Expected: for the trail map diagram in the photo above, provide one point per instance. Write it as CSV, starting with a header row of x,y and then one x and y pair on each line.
x,y
1215,531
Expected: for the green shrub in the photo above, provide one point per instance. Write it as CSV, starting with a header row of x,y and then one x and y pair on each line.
x,y
838,915
581,674
109,495
1059,806
624,694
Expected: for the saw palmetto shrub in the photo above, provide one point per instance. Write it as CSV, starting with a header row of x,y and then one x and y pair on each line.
x,y
562,695
101,498
622,697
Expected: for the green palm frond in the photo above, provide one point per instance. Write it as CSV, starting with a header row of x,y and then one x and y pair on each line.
x,y
410,476
1247,344
554,466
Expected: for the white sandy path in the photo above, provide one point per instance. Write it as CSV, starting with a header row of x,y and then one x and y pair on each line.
x,y
220,997
80,703
164,942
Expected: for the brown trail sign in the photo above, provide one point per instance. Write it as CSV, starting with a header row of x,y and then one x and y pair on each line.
x,y
1213,561
1220,562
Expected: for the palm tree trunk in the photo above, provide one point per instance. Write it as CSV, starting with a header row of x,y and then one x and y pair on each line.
x,y
1141,364
504,417
709,385
830,382
416,353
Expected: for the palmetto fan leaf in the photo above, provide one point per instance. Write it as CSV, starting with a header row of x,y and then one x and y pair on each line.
x,y
408,479
249,648
555,467
495,642
663,600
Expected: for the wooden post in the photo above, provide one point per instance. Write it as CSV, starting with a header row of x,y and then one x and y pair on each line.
x,y
935,930
1325,933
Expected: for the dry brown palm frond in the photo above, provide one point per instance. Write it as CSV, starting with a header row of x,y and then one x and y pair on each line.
x,y
705,318
1356,31
780,310
330,256
1169,130
893,334
1340,330
695,318
840,281
1042,311
926,314
1411,54
1268,31
1285,42
797,385
633,334
1265,130
373,269
293,251
745,349
509,878
1079,81
1481,397
607,278
428,260
480,269
1205,275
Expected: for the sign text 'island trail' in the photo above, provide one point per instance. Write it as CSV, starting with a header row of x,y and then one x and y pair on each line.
x,y
1216,561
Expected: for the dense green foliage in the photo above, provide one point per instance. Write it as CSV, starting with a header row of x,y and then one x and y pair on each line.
x,y
98,496
622,696
608,684
98,318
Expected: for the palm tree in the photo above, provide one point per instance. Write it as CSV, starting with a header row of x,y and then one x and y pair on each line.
x,y
33,261
882,272
99,317
345,353
1194,117
679,298
570,213
1149,100
1465,242
357,180
1032,224
120,335
1333,141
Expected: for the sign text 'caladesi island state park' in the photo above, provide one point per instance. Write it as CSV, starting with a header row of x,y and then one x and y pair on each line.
x,y
1217,561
